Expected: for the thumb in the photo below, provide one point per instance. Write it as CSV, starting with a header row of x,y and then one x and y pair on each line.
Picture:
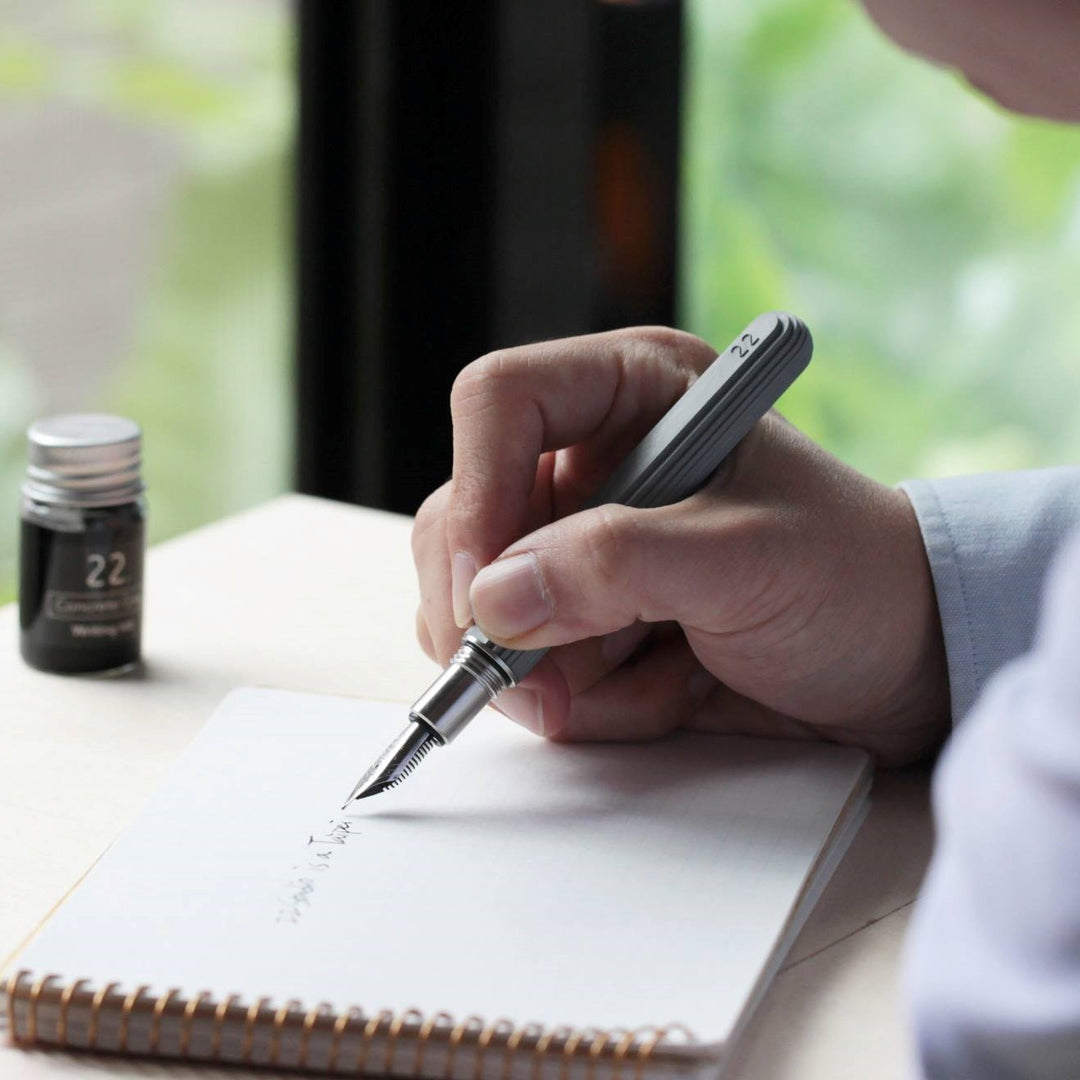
x,y
602,569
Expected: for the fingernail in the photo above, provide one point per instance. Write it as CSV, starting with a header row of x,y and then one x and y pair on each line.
x,y
508,597
462,572
524,707
700,685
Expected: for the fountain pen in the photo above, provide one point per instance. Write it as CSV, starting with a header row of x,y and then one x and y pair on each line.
x,y
674,460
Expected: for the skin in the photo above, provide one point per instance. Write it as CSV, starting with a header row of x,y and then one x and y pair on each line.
x,y
1022,53
791,596
755,606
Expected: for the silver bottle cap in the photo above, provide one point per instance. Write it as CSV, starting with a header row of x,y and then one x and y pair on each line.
x,y
84,459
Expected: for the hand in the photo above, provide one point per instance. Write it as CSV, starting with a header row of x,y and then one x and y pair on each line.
x,y
791,596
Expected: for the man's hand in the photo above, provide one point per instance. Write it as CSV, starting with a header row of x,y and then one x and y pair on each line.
x,y
791,596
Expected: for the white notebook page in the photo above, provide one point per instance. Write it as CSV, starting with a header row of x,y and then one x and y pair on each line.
x,y
606,885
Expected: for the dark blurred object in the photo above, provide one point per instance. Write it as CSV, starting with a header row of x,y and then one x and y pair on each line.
x,y
470,176
83,538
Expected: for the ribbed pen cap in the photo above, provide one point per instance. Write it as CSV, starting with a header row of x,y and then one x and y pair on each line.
x,y
84,459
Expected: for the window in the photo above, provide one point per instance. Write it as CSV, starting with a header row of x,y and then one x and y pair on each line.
x,y
931,242
145,189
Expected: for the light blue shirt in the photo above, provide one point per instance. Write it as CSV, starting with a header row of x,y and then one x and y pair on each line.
x,y
992,968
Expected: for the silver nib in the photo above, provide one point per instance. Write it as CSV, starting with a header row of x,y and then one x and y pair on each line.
x,y
396,761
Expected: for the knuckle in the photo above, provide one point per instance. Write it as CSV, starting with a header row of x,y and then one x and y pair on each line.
x,y
677,347
416,540
610,546
658,337
446,643
471,488
425,517
431,515
478,383
434,506
423,634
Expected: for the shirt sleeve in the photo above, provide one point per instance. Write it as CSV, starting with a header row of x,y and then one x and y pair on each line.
x,y
992,965
990,539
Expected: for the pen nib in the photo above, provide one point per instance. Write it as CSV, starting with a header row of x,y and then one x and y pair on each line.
x,y
395,762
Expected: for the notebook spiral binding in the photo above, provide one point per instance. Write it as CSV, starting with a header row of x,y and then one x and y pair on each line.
x,y
614,1049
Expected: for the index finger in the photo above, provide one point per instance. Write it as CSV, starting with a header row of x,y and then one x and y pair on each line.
x,y
598,393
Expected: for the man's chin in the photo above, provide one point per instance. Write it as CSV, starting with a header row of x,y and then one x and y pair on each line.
x,y
1060,110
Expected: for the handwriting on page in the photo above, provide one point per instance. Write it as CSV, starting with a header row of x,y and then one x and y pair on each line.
x,y
319,857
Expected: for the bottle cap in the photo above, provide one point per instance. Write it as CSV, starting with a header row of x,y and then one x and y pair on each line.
x,y
84,459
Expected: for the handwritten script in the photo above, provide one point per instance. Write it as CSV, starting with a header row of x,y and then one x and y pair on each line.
x,y
319,856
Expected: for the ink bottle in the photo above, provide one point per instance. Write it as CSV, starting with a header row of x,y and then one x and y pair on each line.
x,y
83,535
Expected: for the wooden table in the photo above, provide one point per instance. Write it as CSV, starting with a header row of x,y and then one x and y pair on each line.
x,y
312,595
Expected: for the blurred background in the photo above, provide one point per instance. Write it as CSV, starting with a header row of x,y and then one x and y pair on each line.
x,y
273,232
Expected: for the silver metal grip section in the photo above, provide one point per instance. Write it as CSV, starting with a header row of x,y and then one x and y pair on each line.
x,y
469,683
515,664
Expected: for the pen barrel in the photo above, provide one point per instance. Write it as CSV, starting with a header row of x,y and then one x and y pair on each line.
x,y
693,438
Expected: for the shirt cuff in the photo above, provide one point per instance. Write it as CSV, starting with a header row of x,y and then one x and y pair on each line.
x,y
989,540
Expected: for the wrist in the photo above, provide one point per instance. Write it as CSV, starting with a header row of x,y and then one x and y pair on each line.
x,y
921,711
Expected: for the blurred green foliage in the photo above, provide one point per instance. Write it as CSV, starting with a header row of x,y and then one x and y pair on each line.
x,y
931,242
208,374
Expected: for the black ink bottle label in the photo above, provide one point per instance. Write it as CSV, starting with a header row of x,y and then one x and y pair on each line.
x,y
81,593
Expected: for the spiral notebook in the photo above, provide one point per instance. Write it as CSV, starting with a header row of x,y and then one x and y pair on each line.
x,y
518,909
